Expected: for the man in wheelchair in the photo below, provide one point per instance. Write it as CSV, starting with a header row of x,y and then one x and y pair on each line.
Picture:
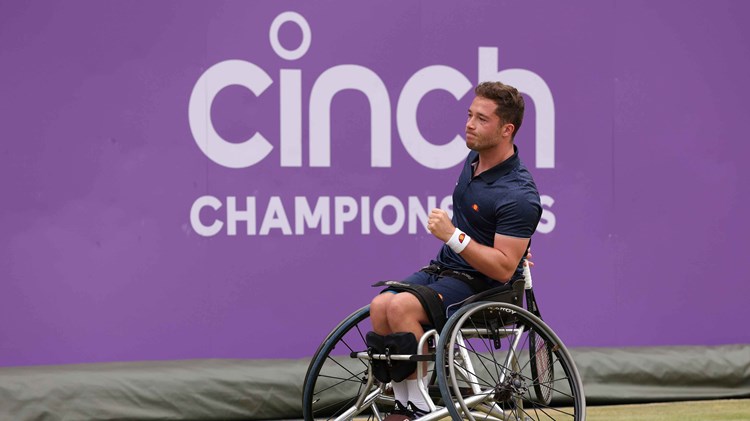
x,y
496,209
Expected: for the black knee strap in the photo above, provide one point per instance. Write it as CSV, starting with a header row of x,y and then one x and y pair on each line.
x,y
400,343
430,300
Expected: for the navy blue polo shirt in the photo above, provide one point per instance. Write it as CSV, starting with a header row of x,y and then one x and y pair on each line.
x,y
502,200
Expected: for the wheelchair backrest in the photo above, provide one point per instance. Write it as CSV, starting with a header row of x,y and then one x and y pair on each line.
x,y
511,294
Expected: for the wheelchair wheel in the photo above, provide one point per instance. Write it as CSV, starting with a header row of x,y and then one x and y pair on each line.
x,y
335,381
484,367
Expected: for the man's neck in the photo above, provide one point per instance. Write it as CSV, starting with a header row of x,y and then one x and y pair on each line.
x,y
491,157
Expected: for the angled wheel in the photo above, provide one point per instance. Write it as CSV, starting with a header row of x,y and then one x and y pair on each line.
x,y
335,381
485,367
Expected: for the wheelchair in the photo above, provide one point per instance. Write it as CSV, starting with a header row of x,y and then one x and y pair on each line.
x,y
493,360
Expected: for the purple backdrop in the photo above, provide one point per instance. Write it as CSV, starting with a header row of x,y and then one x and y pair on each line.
x,y
127,172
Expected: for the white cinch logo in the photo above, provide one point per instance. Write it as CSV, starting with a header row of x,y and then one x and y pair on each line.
x,y
332,81
360,78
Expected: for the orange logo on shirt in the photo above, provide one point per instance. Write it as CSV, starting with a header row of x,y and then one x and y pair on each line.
x,y
475,207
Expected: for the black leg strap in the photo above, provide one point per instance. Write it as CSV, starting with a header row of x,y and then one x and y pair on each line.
x,y
376,345
400,343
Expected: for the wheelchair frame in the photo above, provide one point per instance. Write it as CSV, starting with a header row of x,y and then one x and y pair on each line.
x,y
469,389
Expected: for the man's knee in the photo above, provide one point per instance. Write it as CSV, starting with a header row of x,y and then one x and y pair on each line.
x,y
406,306
379,304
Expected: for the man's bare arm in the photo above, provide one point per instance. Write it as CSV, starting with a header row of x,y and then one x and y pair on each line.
x,y
497,262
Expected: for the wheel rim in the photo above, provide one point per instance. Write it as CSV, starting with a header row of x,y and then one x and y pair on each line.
x,y
502,375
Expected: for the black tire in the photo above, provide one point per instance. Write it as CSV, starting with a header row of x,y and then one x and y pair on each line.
x,y
503,374
334,379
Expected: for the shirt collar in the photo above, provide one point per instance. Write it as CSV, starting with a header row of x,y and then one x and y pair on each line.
x,y
501,169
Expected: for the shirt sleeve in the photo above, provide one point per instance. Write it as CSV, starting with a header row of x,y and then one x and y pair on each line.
x,y
518,217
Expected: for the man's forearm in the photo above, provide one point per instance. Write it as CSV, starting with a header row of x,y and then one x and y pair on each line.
x,y
490,261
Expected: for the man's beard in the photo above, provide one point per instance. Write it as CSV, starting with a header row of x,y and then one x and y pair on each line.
x,y
479,143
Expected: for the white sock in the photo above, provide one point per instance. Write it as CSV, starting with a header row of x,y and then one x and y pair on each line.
x,y
400,392
415,396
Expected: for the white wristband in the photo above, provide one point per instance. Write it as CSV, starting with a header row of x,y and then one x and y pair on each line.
x,y
458,241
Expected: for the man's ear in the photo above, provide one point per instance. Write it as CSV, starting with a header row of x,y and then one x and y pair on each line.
x,y
507,129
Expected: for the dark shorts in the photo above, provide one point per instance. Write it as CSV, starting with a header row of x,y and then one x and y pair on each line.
x,y
451,290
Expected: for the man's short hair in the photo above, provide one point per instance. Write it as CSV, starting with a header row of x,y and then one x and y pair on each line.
x,y
509,101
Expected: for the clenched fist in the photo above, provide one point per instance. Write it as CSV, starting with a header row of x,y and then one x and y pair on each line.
x,y
440,225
